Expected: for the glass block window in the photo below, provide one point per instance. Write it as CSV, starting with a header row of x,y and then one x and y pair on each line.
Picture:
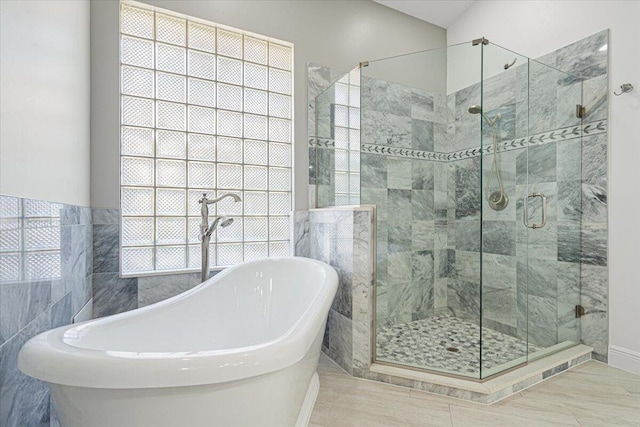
x,y
346,116
29,239
208,110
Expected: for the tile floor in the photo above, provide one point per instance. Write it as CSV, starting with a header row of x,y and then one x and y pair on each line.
x,y
592,395
424,343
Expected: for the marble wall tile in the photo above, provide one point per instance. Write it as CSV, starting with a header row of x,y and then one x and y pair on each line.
x,y
153,289
422,135
542,163
422,272
499,237
301,234
568,282
569,201
106,249
594,179
499,305
468,266
467,237
594,160
341,340
62,312
468,199
325,166
112,295
373,171
543,322
464,299
105,216
499,90
543,97
594,298
594,243
32,305
24,401
584,58
423,174
343,301
542,278
467,126
81,293
595,99
440,302
422,235
385,129
75,256
312,166
569,95
569,248
399,267
422,203
447,261
20,304
498,271
595,333
569,160
422,104
399,173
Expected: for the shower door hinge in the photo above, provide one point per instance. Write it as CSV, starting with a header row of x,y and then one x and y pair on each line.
x,y
482,40
364,64
579,311
580,111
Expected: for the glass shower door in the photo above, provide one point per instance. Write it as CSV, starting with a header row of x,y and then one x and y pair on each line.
x,y
504,113
551,214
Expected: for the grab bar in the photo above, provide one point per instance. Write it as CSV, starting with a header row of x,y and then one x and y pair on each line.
x,y
544,210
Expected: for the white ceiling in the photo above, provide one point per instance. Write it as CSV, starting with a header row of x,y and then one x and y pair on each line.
x,y
440,12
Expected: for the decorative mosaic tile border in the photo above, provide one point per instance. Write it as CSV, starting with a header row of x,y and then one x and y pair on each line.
x,y
557,135
404,152
322,142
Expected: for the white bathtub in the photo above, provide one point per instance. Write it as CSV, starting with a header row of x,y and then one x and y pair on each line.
x,y
238,350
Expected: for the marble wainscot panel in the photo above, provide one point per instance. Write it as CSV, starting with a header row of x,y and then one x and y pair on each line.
x,y
112,294
45,280
343,238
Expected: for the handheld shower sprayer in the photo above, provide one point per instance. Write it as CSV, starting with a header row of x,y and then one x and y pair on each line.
x,y
497,200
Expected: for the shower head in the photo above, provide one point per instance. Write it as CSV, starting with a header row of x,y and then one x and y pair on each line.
x,y
475,109
225,222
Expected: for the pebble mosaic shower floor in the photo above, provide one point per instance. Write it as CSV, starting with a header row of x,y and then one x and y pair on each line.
x,y
425,343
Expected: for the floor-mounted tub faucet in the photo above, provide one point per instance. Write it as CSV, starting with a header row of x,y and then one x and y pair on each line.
x,y
206,230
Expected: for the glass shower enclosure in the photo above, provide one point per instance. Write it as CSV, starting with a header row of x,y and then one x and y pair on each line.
x,y
472,156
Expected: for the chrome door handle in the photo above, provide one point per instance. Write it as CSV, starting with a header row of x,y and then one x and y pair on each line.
x,y
544,210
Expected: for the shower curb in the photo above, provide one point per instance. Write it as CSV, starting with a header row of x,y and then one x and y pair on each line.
x,y
486,392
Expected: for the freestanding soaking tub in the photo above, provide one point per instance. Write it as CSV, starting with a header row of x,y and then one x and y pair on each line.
x,y
240,350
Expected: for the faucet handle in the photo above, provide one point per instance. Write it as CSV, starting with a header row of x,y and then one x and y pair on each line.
x,y
204,197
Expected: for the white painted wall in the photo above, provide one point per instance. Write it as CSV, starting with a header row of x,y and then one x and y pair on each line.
x,y
44,107
534,28
338,34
